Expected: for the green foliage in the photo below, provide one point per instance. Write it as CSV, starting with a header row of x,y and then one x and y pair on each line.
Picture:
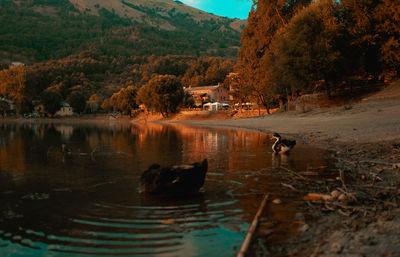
x,y
51,101
265,19
23,105
4,107
374,27
308,49
207,71
294,46
89,73
65,31
77,101
163,93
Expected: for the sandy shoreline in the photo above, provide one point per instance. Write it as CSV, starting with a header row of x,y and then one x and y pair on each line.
x,y
365,140
365,122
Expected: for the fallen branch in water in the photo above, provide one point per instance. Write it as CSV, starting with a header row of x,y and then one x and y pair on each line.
x,y
309,173
293,172
290,186
252,228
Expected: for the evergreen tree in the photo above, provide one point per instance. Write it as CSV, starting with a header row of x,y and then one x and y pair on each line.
x,y
265,19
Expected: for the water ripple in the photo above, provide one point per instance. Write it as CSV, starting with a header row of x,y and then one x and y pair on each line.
x,y
106,229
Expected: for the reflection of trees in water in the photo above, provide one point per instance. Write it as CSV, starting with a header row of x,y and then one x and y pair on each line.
x,y
224,148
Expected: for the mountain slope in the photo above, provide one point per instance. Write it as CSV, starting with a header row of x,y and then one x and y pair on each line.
x,y
132,8
37,30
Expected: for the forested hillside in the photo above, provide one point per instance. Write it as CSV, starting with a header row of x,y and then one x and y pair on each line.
x,y
39,30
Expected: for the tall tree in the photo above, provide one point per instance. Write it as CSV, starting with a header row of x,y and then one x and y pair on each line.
x,y
265,19
309,49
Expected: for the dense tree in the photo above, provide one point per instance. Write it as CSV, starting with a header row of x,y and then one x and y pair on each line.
x,y
288,46
164,93
374,27
124,100
13,82
207,71
93,104
23,31
265,19
51,101
4,107
308,49
23,105
77,101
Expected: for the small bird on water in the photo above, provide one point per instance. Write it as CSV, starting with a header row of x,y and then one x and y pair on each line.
x,y
282,145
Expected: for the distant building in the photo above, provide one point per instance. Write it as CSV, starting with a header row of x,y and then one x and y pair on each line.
x,y
215,106
65,110
209,94
15,64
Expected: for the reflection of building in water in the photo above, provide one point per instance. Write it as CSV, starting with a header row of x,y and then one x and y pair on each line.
x,y
65,130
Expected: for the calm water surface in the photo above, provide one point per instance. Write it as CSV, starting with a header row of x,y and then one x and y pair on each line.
x,y
88,203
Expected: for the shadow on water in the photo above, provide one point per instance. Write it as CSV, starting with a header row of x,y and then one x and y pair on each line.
x,y
73,189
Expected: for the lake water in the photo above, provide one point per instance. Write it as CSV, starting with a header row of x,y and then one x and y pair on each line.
x,y
88,203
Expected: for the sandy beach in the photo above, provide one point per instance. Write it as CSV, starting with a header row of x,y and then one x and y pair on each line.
x,y
372,120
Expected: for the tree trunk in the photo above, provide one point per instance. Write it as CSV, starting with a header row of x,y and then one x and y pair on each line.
x,y
289,99
268,109
281,102
328,89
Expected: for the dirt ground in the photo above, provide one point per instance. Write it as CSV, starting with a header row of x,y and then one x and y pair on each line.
x,y
362,216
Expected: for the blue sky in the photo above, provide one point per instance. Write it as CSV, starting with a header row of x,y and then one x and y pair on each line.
x,y
229,8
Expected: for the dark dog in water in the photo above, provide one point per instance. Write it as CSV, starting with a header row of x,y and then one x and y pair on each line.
x,y
174,179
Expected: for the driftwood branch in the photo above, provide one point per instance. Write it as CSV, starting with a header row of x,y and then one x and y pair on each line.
x,y
293,172
290,186
341,176
252,228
